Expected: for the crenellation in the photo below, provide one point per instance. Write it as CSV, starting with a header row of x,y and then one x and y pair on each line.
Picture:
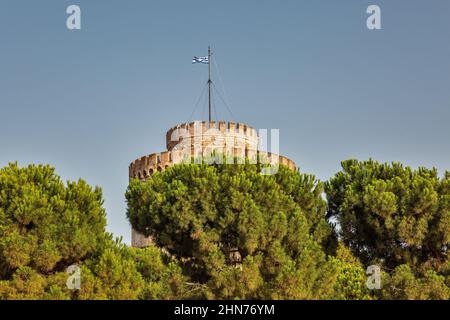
x,y
202,127
191,129
240,128
222,126
153,159
165,156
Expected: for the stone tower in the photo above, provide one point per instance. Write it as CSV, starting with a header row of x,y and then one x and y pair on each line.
x,y
190,141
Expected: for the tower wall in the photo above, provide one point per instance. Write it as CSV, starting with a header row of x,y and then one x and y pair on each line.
x,y
202,133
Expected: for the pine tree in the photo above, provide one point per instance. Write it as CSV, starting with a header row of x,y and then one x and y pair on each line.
x,y
47,226
397,218
241,235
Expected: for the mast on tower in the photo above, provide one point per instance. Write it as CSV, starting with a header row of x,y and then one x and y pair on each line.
x,y
207,60
209,83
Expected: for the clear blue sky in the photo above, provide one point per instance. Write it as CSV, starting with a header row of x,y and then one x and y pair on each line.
x,y
91,101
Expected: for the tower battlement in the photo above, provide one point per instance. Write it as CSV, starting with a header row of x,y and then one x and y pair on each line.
x,y
144,167
198,129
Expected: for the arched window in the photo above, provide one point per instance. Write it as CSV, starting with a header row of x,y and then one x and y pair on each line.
x,y
150,171
159,169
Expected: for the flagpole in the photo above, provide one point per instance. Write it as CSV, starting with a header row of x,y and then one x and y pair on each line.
x,y
209,82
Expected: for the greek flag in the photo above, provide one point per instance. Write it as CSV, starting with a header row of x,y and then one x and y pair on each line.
x,y
203,60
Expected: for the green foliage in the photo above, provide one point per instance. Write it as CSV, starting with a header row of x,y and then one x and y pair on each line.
x,y
162,275
228,232
242,235
116,272
111,275
46,226
392,215
403,284
350,276
398,218
124,273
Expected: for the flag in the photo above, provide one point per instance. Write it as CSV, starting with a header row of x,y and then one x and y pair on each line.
x,y
203,60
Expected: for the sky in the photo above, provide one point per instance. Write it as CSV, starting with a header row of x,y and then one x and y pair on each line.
x,y
90,101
